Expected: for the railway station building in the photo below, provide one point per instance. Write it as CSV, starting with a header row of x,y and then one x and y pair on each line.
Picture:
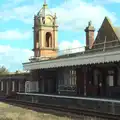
x,y
91,70
94,71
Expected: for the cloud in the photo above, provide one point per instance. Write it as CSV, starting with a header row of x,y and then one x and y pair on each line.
x,y
14,35
12,58
24,13
103,2
67,47
115,1
72,14
15,1
75,14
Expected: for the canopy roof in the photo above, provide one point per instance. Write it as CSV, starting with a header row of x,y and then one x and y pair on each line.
x,y
44,11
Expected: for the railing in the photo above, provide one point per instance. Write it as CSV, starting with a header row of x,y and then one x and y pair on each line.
x,y
38,58
104,46
95,104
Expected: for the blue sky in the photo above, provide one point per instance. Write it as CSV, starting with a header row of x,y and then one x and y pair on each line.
x,y
16,22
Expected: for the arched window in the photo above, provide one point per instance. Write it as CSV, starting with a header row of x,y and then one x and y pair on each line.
x,y
36,44
48,39
37,36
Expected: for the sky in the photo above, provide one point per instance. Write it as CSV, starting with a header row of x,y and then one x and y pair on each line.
x,y
16,22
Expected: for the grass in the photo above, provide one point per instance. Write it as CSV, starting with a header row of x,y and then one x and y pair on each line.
x,y
10,112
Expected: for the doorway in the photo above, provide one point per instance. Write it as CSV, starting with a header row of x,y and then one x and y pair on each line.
x,y
110,79
98,80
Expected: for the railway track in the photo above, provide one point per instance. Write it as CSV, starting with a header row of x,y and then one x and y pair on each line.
x,y
75,111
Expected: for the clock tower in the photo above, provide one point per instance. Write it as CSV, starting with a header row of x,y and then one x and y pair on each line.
x,y
45,34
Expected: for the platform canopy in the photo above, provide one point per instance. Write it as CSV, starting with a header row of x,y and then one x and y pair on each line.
x,y
112,55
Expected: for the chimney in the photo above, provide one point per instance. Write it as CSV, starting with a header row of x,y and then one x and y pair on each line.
x,y
89,35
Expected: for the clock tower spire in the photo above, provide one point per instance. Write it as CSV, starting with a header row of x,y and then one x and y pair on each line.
x,y
45,34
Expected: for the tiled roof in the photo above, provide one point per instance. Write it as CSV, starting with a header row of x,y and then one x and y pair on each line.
x,y
116,29
117,32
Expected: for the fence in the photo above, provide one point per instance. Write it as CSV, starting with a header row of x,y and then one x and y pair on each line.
x,y
104,46
95,104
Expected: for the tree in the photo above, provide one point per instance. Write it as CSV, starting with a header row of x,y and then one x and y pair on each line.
x,y
17,71
3,70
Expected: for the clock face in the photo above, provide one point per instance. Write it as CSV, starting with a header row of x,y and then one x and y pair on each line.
x,y
48,21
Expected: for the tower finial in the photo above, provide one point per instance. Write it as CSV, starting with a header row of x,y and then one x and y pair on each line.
x,y
45,2
90,23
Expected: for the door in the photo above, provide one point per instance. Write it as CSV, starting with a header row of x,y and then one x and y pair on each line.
x,y
98,82
80,81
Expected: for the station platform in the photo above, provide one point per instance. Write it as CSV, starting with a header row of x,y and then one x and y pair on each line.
x,y
86,103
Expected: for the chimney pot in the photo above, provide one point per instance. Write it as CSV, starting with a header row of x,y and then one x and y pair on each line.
x,y
89,35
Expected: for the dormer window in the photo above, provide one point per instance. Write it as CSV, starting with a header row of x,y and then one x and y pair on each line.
x,y
43,20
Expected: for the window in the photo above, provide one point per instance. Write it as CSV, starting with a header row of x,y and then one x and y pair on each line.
x,y
48,39
67,77
37,36
72,77
13,85
1,85
110,80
